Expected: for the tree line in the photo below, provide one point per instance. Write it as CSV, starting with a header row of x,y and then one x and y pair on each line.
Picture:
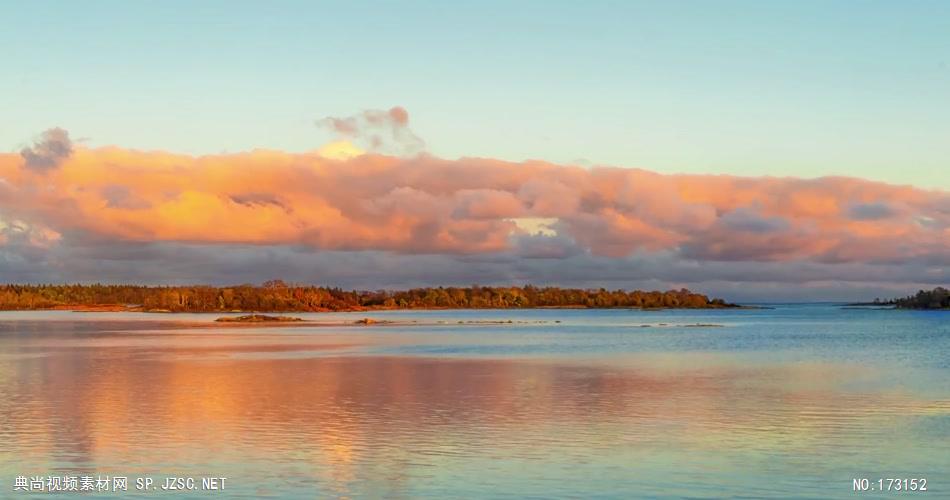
x,y
278,296
938,298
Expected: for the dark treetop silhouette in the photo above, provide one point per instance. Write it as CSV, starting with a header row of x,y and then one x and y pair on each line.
x,y
938,298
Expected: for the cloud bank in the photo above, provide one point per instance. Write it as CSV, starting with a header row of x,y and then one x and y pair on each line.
x,y
60,203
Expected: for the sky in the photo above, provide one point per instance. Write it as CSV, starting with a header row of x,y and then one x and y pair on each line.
x,y
757,150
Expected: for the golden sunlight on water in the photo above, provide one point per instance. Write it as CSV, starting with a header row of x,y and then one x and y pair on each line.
x,y
336,424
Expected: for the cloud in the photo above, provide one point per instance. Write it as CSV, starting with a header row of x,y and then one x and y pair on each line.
x,y
252,199
747,220
340,150
118,196
544,226
486,204
427,220
546,246
871,211
81,259
374,130
47,153
427,205
23,235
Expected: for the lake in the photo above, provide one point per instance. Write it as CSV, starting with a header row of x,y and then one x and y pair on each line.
x,y
793,401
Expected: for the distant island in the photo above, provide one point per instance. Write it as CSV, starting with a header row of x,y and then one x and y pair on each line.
x,y
278,296
936,299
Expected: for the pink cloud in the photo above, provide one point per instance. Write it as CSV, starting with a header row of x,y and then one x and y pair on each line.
x,y
424,204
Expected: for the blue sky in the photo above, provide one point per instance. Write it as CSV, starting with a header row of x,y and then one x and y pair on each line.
x,y
791,89
751,88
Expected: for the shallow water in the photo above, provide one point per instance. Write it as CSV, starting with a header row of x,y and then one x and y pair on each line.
x,y
795,401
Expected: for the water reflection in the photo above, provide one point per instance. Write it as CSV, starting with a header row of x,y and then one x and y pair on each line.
x,y
410,426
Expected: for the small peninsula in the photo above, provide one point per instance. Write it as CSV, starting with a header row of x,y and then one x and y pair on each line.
x,y
936,299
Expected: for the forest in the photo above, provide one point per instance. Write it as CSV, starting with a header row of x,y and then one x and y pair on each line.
x,y
278,296
938,298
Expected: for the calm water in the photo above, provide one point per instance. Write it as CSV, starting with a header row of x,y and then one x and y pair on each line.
x,y
795,401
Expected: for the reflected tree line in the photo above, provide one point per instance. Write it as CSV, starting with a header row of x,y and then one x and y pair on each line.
x,y
275,296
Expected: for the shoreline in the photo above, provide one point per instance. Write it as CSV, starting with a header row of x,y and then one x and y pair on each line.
x,y
107,308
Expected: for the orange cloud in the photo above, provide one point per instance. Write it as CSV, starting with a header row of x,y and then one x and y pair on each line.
x,y
425,204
